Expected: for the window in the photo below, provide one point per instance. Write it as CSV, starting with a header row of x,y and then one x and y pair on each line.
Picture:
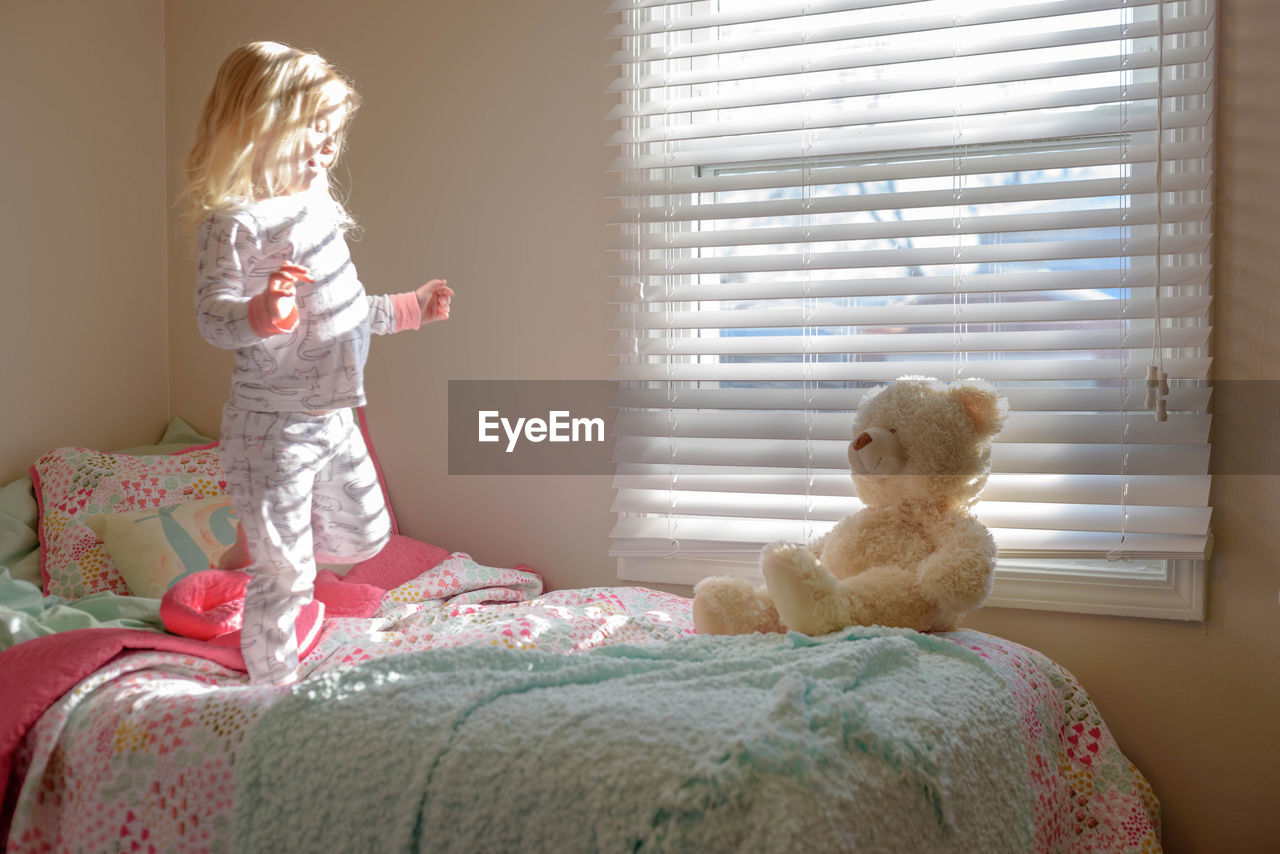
x,y
817,198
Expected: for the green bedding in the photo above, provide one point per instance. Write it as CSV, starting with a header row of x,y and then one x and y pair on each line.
x,y
867,739
19,545
25,613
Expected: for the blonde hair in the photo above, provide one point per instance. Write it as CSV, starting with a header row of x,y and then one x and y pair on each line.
x,y
252,133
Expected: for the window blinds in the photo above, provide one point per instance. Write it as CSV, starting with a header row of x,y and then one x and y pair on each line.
x,y
818,197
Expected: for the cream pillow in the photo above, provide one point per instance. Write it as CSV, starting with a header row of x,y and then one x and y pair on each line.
x,y
152,548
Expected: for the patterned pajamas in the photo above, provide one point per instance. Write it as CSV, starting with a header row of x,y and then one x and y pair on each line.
x,y
303,484
304,488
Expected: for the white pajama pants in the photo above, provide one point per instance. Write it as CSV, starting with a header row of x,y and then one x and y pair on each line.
x,y
305,489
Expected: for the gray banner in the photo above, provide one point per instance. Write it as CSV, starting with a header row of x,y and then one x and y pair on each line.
x,y
531,426
566,427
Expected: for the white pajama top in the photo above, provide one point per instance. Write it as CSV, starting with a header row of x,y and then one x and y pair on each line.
x,y
318,364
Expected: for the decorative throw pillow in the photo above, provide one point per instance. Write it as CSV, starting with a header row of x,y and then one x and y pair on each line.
x,y
153,548
73,484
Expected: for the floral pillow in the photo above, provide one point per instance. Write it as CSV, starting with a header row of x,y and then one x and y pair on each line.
x,y
73,484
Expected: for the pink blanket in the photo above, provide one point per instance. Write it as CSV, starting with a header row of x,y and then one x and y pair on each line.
x,y
209,606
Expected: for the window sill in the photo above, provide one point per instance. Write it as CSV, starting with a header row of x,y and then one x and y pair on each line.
x,y
1160,590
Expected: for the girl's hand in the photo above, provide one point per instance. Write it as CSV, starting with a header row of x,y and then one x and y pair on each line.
x,y
281,297
433,300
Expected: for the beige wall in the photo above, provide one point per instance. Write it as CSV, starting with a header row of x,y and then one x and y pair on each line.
x,y
82,227
487,117
478,157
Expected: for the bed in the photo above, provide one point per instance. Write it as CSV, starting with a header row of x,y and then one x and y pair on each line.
x,y
452,706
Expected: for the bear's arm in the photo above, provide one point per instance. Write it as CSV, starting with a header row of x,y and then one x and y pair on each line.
x,y
843,549
958,575
817,545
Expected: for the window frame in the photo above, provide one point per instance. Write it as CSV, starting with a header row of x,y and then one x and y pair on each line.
x,y
1170,589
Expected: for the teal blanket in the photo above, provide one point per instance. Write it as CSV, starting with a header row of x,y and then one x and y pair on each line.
x,y
866,740
26,613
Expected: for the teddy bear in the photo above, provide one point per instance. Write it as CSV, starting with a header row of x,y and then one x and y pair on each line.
x,y
914,556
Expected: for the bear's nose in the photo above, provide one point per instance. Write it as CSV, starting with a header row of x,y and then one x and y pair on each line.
x,y
862,441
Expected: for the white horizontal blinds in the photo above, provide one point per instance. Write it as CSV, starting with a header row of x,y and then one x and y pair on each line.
x,y
818,197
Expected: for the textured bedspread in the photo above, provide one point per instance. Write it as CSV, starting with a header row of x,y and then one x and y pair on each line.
x,y
143,754
871,740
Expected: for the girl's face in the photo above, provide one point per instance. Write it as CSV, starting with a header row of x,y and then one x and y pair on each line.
x,y
321,148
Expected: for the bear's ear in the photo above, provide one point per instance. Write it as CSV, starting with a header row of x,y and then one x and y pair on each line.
x,y
985,408
870,394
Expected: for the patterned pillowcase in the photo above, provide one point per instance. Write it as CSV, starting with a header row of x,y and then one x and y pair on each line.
x,y
153,548
73,484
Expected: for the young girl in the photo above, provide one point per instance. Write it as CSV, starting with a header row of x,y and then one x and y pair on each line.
x,y
276,284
